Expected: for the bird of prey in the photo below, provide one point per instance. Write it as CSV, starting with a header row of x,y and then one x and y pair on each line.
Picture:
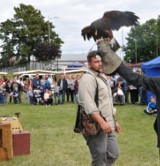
x,y
111,20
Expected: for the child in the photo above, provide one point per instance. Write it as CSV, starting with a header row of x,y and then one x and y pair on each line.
x,y
26,95
30,94
48,97
151,107
56,93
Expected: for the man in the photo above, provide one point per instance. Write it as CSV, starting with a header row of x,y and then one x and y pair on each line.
x,y
36,83
103,146
70,88
112,63
62,83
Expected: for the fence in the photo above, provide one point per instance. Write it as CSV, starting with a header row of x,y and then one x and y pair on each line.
x,y
19,68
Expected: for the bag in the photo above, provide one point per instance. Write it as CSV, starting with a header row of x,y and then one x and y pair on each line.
x,y
120,92
85,124
90,127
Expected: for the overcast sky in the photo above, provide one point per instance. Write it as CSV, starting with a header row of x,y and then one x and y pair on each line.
x,y
73,15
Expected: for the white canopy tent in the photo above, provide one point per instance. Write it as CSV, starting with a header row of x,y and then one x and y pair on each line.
x,y
34,72
66,71
31,73
3,73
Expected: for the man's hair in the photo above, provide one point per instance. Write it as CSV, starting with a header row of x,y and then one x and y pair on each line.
x,y
92,54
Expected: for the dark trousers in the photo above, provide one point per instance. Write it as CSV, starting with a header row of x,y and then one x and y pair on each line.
x,y
62,95
56,97
134,96
1,98
126,92
49,101
70,94
143,96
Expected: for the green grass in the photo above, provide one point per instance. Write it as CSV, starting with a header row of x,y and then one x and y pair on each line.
x,y
53,142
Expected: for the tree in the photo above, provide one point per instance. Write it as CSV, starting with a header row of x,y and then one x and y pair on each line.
x,y
21,34
46,52
142,42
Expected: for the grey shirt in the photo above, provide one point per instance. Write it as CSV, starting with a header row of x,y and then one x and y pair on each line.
x,y
86,94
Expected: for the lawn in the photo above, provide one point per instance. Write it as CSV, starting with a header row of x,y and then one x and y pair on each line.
x,y
53,142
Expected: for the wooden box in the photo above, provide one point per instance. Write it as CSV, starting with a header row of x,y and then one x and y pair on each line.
x,y
21,143
6,149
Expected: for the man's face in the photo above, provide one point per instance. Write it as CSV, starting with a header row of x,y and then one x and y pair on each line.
x,y
62,77
37,76
96,63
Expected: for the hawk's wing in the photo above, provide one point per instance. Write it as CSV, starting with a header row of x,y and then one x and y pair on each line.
x,y
116,19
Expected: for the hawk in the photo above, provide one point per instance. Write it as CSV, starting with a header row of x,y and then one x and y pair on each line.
x,y
111,20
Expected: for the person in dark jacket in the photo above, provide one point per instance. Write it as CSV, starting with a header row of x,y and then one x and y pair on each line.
x,y
112,63
36,83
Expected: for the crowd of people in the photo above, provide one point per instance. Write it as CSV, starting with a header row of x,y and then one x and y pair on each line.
x,y
39,90
125,93
48,90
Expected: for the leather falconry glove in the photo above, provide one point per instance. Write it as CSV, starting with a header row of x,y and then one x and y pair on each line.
x,y
111,61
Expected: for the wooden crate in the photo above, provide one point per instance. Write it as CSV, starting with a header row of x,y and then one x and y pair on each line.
x,y
6,147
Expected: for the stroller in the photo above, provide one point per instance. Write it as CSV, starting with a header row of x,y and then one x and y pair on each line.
x,y
119,97
37,97
16,97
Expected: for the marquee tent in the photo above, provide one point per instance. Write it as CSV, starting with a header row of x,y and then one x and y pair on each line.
x,y
151,68
75,65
